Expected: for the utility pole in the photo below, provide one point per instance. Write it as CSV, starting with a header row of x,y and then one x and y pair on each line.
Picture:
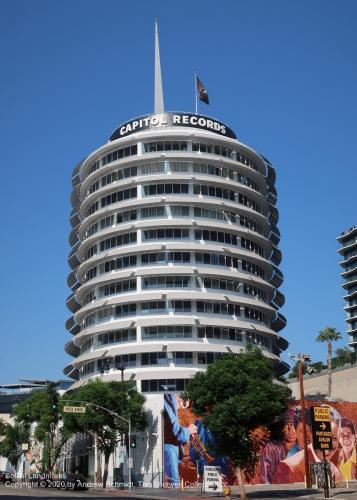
x,y
303,358
122,368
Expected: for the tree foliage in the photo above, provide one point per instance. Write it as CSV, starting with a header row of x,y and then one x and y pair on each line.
x,y
119,397
235,396
343,356
12,437
329,335
43,409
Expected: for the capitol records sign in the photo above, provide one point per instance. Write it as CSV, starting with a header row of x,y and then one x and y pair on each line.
x,y
166,121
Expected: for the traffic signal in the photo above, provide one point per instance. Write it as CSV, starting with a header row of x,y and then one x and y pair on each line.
x,y
133,442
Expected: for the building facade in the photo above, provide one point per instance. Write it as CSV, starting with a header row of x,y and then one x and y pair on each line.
x,y
348,251
174,262
174,254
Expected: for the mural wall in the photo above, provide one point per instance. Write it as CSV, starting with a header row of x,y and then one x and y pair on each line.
x,y
188,445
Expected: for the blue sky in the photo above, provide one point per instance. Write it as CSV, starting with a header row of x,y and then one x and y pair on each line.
x,y
281,74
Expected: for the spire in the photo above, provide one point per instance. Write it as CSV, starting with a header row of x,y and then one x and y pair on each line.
x,y
159,96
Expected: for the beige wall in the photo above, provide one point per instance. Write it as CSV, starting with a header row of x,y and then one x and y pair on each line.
x,y
344,384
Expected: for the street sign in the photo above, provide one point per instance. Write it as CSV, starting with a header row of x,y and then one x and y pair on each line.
x,y
212,481
130,463
321,428
74,409
121,454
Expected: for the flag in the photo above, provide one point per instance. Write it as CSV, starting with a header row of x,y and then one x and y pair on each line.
x,y
202,92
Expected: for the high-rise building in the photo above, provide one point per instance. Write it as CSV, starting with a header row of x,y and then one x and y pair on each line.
x,y
174,259
348,250
174,253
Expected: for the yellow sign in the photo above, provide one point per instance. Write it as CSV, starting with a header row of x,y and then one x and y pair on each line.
x,y
74,409
321,414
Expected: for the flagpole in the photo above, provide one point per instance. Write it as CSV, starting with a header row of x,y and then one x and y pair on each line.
x,y
196,99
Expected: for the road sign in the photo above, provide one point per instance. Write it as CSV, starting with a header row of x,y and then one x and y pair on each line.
x,y
130,463
74,409
212,481
321,428
121,454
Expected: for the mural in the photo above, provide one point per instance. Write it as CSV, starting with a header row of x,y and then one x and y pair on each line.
x,y
188,445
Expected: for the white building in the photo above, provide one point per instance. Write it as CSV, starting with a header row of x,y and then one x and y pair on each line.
x,y
348,251
174,258
174,254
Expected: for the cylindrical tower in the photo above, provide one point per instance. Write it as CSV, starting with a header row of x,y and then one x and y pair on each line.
x,y
174,253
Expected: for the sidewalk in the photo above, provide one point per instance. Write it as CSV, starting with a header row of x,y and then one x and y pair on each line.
x,y
261,491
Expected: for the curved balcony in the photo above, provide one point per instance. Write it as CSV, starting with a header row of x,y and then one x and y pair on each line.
x,y
247,256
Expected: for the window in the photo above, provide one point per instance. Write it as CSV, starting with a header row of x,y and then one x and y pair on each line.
x,y
219,333
124,194
119,154
252,246
158,189
255,315
167,332
117,175
254,291
166,281
180,305
106,222
222,308
126,216
125,310
152,168
204,190
113,156
253,269
216,236
153,306
207,168
178,166
117,287
151,147
163,385
219,284
117,241
166,233
214,259
116,264
180,211
150,212
206,358
165,257
154,358
117,336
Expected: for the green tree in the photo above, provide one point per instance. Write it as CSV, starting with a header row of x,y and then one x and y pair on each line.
x,y
235,396
119,397
343,355
294,372
12,437
329,335
43,408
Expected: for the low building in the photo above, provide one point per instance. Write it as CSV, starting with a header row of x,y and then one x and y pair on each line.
x,y
344,387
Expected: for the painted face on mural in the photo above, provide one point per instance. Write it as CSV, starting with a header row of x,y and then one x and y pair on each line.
x,y
182,404
299,435
289,432
347,439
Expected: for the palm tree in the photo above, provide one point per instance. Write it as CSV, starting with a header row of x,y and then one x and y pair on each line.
x,y
329,335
